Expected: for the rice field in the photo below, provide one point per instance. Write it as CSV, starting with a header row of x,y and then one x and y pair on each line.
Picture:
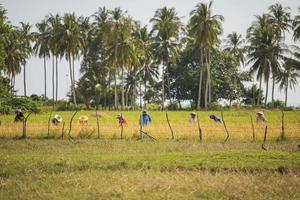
x,y
238,124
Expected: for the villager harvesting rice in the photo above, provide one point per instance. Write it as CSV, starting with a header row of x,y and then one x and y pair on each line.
x,y
260,117
145,118
193,117
19,116
215,118
57,119
83,119
122,120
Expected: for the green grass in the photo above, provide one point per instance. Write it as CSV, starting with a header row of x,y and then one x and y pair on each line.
x,y
130,169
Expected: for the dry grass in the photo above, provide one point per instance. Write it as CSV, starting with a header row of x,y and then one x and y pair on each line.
x,y
238,123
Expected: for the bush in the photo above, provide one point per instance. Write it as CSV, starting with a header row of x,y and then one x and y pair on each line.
x,y
152,106
173,106
215,106
10,104
276,104
62,105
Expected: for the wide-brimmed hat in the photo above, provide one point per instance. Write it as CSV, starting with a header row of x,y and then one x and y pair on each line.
x,y
260,113
58,118
83,118
19,110
193,113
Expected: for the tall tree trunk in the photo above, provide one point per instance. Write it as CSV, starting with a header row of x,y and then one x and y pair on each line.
x,y
209,78
273,87
145,92
122,89
207,83
200,81
267,89
74,92
53,84
25,80
56,70
71,75
116,94
286,91
163,87
45,77
258,97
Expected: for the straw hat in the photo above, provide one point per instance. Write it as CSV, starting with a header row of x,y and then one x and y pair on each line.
x,y
83,118
260,113
58,118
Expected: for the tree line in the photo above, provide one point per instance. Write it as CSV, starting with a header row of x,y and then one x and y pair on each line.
x,y
123,62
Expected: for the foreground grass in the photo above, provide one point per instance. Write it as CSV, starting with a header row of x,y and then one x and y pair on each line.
x,y
114,169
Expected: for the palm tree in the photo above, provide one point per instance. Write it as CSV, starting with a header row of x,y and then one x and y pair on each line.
x,y
234,46
71,41
205,30
166,30
280,19
288,77
25,40
54,31
14,55
121,50
41,48
296,26
149,70
264,49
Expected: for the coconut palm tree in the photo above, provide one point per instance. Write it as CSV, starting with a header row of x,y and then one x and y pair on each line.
x,y
120,49
41,47
234,46
296,26
71,41
14,55
166,29
280,19
287,78
25,40
205,29
263,50
148,71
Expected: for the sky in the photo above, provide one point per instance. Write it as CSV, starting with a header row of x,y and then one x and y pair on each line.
x,y
238,14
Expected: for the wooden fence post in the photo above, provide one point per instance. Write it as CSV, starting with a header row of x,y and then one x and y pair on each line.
x,y
49,119
167,117
265,139
98,129
71,121
199,128
24,134
282,134
253,131
227,137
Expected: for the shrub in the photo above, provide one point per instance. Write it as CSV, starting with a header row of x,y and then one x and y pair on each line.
x,y
215,106
10,104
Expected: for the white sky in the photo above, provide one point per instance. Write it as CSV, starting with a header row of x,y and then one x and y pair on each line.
x,y
238,14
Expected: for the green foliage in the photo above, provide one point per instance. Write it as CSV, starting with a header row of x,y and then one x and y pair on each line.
x,y
216,106
62,105
276,104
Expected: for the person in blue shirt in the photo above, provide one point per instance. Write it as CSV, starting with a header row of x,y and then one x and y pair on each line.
x,y
145,118
216,118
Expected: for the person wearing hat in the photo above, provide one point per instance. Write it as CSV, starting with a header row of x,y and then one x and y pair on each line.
x,y
260,117
145,119
122,120
57,119
193,117
215,118
19,116
83,119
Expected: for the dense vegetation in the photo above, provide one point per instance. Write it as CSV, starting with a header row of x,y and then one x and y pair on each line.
x,y
121,60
